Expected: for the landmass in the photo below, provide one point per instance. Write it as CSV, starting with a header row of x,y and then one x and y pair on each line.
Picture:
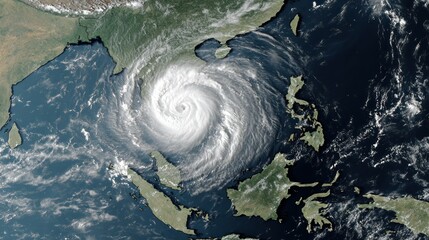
x,y
168,174
412,213
312,129
261,194
15,139
296,83
312,211
294,24
29,38
174,28
161,205
315,138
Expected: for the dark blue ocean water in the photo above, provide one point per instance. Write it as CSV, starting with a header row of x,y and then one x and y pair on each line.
x,y
366,75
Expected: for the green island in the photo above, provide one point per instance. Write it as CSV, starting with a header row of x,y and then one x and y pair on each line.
x,y
35,38
261,194
312,211
15,139
410,212
294,24
168,174
313,137
161,205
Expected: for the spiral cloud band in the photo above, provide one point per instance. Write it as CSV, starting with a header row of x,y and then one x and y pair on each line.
x,y
215,119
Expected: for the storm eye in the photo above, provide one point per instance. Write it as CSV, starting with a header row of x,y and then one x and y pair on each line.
x,y
181,108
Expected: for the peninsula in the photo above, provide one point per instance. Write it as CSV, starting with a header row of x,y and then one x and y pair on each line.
x,y
161,205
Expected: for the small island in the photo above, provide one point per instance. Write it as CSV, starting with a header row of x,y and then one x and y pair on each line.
x,y
168,174
294,24
161,205
410,212
356,190
222,51
261,194
15,139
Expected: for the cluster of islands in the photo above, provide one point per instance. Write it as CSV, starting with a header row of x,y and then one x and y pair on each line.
x,y
28,43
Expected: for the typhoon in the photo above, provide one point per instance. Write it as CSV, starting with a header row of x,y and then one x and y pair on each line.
x,y
217,119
